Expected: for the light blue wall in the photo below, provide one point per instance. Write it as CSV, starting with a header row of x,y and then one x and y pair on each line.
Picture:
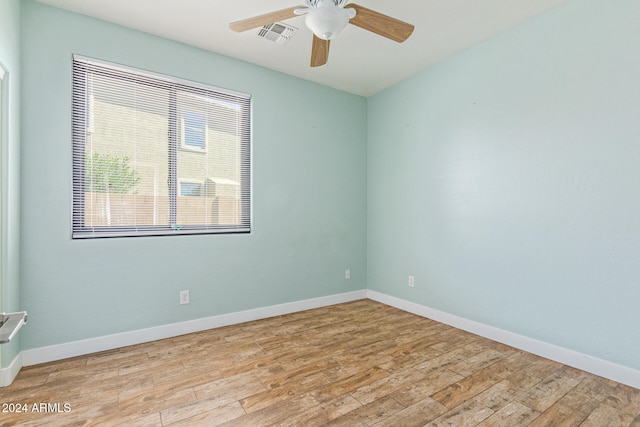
x,y
10,169
309,195
507,181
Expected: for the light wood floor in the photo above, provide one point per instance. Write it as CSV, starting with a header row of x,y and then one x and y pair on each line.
x,y
354,364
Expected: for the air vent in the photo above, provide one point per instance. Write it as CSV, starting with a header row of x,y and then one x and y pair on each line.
x,y
277,32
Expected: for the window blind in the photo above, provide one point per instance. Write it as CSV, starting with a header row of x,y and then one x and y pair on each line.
x,y
156,155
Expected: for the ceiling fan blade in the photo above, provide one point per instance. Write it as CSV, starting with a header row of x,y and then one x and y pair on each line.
x,y
380,24
319,51
262,20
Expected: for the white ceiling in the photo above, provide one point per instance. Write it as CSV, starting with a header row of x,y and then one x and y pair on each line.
x,y
360,62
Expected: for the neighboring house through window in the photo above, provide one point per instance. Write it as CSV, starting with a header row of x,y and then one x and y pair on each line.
x,y
155,155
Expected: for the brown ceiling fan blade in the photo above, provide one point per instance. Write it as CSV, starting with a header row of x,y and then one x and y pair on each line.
x,y
380,24
319,51
262,20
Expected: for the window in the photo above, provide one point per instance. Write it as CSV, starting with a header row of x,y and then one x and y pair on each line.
x,y
190,189
194,131
155,155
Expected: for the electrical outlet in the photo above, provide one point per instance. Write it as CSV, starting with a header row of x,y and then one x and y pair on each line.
x,y
184,297
347,274
411,282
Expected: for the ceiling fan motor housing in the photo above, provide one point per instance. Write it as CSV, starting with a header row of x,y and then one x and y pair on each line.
x,y
328,18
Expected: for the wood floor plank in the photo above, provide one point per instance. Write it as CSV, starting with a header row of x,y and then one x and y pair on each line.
x,y
368,414
466,414
582,399
465,389
151,420
277,413
499,395
513,414
416,415
204,410
274,380
355,364
323,413
349,384
403,360
187,377
284,392
625,398
384,386
477,362
605,415
515,362
154,400
420,390
449,358
549,390
558,415
230,389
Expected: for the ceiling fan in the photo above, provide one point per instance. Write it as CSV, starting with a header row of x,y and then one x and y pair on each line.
x,y
326,18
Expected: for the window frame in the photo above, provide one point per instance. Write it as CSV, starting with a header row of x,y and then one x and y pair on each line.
x,y
82,124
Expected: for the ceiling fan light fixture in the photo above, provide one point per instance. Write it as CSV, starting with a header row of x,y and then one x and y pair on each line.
x,y
328,20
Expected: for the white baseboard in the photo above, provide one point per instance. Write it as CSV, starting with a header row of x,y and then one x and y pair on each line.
x,y
594,365
603,368
8,374
108,342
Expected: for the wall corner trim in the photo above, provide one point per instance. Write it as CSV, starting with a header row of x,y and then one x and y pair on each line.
x,y
92,345
584,362
8,374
